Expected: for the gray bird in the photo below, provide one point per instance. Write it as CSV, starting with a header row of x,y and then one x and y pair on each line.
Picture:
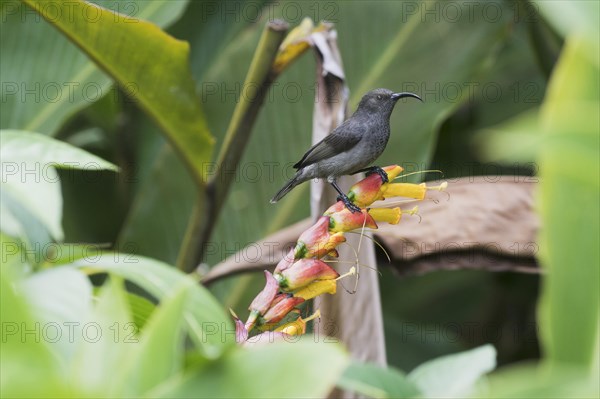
x,y
351,147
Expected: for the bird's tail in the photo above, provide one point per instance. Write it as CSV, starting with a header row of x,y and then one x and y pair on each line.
x,y
287,188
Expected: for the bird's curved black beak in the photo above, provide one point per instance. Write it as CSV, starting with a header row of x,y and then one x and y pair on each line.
x,y
398,96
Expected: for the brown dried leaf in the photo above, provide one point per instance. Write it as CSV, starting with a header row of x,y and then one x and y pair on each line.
x,y
493,214
261,255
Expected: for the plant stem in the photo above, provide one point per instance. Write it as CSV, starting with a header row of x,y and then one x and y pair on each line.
x,y
258,80
191,240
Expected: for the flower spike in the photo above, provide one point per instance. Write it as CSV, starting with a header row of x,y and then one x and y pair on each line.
x,y
302,275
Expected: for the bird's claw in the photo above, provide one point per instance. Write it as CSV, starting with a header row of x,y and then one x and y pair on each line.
x,y
349,204
380,172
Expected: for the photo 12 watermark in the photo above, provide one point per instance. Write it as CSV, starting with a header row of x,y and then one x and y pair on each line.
x,y
69,331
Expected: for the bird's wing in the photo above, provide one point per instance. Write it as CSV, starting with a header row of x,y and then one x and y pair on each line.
x,y
333,144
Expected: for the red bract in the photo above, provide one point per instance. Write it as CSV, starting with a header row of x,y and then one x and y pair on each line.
x,y
283,306
372,188
287,261
344,221
317,241
241,333
263,300
304,272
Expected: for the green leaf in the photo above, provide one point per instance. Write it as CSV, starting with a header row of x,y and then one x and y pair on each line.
x,y
377,382
569,309
572,17
516,139
61,299
405,61
159,354
141,309
28,367
165,90
454,376
63,253
18,146
157,231
42,88
31,193
532,381
207,323
97,357
13,258
564,135
279,370
31,202
24,214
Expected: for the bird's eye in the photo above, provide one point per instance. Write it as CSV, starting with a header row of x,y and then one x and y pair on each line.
x,y
379,97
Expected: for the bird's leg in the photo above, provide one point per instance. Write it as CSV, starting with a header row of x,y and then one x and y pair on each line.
x,y
343,197
374,169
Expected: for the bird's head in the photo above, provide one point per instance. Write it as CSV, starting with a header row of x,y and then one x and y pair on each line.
x,y
382,101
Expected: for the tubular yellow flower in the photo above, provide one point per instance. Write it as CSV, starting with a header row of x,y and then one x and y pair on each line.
x,y
298,326
391,216
322,287
408,190
317,288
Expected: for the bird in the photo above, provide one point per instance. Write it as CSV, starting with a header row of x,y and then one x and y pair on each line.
x,y
351,147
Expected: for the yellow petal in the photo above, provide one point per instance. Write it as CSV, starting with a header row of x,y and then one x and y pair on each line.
x,y
393,171
317,288
391,216
296,327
